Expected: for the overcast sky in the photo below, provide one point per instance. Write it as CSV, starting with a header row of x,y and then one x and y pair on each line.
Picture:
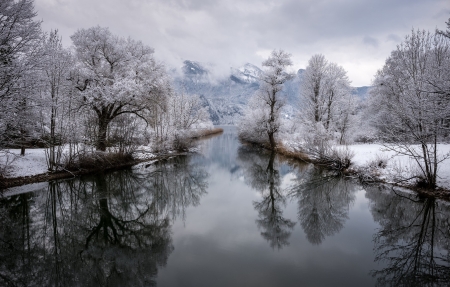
x,y
356,34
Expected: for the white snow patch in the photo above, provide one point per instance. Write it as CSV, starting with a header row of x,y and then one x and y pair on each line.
x,y
33,162
398,166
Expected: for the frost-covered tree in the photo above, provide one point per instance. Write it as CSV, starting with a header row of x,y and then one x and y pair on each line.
x,y
175,123
116,76
326,100
447,32
442,82
56,89
19,36
312,88
411,110
261,121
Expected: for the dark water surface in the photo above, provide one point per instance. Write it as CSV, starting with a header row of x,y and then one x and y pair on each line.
x,y
229,216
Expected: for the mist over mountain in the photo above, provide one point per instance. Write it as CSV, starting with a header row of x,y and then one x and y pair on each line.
x,y
226,98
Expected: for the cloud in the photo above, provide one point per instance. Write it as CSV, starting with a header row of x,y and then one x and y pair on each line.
x,y
369,41
394,38
229,33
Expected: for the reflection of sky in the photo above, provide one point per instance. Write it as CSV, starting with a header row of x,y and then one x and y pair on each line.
x,y
219,243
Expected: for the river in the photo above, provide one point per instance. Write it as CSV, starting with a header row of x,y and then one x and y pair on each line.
x,y
229,215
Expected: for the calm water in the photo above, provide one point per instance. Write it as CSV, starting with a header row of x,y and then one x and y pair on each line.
x,y
229,216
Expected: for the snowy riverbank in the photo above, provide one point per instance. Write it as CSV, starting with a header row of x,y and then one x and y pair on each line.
x,y
394,167
377,162
34,162
371,159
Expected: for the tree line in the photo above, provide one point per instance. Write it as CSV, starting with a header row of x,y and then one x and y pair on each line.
x,y
106,91
407,109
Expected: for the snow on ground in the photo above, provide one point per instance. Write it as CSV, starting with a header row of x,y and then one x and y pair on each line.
x,y
143,153
366,158
33,162
398,167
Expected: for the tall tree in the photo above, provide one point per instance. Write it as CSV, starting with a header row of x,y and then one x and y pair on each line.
x,y
326,99
313,80
262,120
116,76
56,63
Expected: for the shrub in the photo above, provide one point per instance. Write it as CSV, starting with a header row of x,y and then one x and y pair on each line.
x,y
98,160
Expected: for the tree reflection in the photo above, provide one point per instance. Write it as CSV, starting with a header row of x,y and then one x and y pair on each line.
x,y
261,174
324,200
413,239
17,248
102,230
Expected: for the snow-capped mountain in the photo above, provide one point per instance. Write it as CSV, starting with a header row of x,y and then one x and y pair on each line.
x,y
248,74
191,68
226,98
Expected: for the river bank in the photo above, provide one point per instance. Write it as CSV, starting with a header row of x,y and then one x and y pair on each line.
x,y
32,168
374,164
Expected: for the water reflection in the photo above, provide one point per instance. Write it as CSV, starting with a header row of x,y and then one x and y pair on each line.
x,y
120,229
263,175
222,150
103,230
324,201
414,239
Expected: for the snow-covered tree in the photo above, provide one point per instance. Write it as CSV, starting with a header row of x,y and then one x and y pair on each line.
x,y
313,89
56,89
442,81
261,121
176,123
19,36
116,76
326,100
411,109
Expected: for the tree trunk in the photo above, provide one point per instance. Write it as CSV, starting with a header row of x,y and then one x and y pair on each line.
x,y
316,102
102,130
22,146
273,144
330,102
52,161
271,131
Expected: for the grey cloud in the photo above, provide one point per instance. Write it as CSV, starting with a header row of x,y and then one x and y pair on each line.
x,y
394,38
370,41
231,32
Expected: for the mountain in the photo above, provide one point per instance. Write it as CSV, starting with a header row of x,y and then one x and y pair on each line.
x,y
226,98
361,92
191,68
247,74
